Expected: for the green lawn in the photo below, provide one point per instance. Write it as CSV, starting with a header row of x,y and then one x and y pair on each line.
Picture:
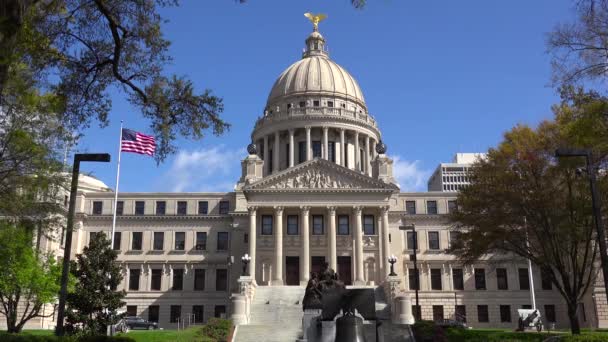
x,y
191,334
496,335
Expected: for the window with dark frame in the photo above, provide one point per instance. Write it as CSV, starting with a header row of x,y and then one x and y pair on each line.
x,y
180,241
438,313
431,207
267,224
302,104
410,207
436,279
246,238
361,159
222,241
153,313
176,313
159,241
203,207
198,312
201,241
502,282
178,279
292,225
550,313
131,310
136,243
140,207
460,312
457,279
316,149
156,281
331,151
412,279
182,208
452,206
505,313
117,240
343,225
369,228
330,104
161,207
270,160
317,225
97,207
454,235
524,279
220,311
120,208
433,240
134,279
199,279
224,207
316,103
482,314
301,152
480,279
545,278
412,242
221,279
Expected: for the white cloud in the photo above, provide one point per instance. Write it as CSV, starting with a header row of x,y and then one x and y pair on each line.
x,y
215,168
410,175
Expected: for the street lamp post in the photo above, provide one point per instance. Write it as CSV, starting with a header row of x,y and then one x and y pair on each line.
x,y
245,259
79,157
412,227
392,260
595,202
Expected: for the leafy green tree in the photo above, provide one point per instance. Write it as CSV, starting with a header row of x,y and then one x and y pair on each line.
x,y
27,281
92,305
523,201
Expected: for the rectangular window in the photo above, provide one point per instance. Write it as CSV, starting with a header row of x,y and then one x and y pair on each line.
x,y
140,207
176,313
438,313
222,241
316,149
412,241
434,240
505,313
457,279
136,243
346,156
524,279
361,159
199,279
201,241
435,278
292,225
180,241
224,207
317,225
454,236
502,282
315,103
120,208
410,207
452,206
203,207
267,221
330,104
220,311
545,278
431,207
159,241
134,279
343,226
246,238
161,207
526,306
221,279
480,279
97,207
198,313
153,313
155,283
270,160
131,310
178,279
182,208
369,227
461,313
331,151
412,278
117,238
416,312
550,313
482,314
92,236
301,152
302,104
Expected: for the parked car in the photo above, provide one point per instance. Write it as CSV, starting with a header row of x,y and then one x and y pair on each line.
x,y
134,322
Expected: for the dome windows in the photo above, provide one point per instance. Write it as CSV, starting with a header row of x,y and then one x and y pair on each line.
x,y
330,104
302,104
316,103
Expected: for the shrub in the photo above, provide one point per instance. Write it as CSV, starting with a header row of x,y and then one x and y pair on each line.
x,y
217,329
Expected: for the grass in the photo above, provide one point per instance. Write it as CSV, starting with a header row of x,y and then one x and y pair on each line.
x,y
191,334
491,335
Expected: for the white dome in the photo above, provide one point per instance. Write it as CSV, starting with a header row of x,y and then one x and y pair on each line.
x,y
316,75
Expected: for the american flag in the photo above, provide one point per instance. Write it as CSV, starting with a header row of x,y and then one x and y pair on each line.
x,y
137,143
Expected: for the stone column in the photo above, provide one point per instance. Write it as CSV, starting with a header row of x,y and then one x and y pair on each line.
x,y
275,158
252,238
304,239
342,148
266,164
366,155
278,246
359,280
357,153
386,249
374,149
308,144
333,259
291,148
325,143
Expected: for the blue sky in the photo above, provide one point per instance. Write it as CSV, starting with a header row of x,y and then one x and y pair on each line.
x,y
440,77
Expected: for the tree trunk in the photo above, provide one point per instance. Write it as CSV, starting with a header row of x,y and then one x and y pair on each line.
x,y
573,317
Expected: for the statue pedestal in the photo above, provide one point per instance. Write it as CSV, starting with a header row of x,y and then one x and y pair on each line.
x,y
402,313
309,324
328,331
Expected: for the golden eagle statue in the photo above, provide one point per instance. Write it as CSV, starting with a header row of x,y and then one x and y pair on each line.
x,y
315,19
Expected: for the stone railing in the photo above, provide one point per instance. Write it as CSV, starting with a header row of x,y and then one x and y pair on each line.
x,y
241,301
400,302
314,111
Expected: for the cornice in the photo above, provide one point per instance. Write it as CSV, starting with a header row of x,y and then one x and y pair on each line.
x,y
155,217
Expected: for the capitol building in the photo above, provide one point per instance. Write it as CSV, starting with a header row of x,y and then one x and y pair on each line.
x,y
316,187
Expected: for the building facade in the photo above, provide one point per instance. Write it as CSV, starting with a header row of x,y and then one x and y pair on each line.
x,y
451,177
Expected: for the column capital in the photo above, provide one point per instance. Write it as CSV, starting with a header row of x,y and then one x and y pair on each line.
x,y
357,209
384,209
278,210
305,210
357,134
291,131
331,210
342,130
325,128
307,127
252,210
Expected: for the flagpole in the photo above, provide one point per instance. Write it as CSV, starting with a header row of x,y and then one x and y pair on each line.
x,y
116,189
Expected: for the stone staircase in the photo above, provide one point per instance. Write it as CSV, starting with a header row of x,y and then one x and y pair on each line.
x,y
276,315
